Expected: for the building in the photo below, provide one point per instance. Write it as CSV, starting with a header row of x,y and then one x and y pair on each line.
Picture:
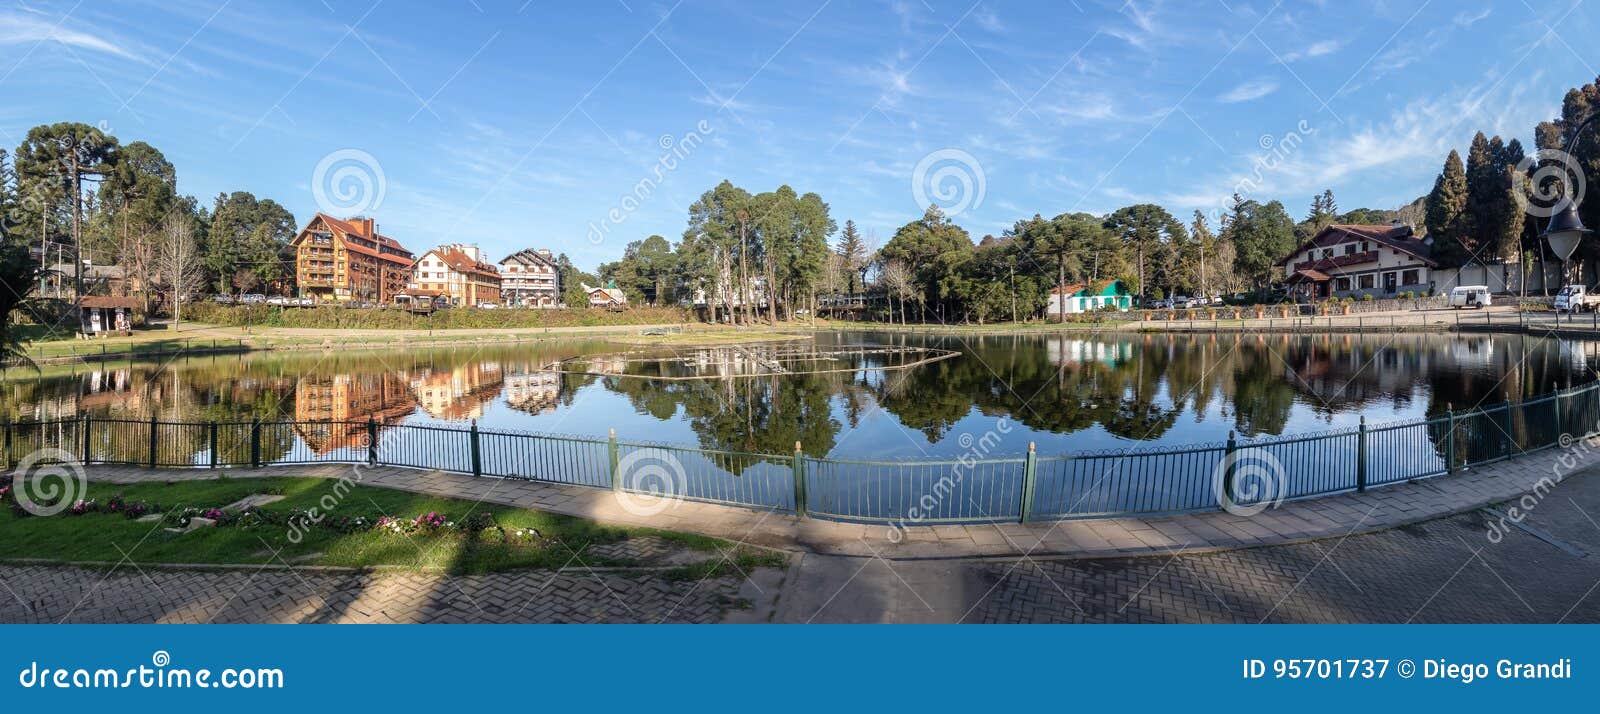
x,y
1082,297
528,278
348,260
610,297
458,271
1355,260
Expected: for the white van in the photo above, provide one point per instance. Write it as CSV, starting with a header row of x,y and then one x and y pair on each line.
x,y
1470,296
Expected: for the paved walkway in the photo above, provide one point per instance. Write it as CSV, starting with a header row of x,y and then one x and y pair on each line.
x,y
1327,517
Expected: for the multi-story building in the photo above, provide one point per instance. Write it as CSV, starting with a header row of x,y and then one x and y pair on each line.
x,y
348,260
458,271
528,278
1354,260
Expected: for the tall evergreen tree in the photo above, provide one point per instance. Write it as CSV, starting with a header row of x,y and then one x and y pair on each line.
x,y
1445,206
853,250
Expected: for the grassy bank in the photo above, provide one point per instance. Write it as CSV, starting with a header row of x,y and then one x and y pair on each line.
x,y
511,537
338,318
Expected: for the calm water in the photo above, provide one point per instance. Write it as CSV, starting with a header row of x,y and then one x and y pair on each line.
x,y
860,395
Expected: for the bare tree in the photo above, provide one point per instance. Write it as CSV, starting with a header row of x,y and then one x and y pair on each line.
x,y
178,264
897,283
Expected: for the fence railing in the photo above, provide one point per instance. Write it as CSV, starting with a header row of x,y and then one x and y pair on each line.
x,y
1085,484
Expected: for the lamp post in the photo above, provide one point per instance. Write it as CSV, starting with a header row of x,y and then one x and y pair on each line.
x,y
1565,229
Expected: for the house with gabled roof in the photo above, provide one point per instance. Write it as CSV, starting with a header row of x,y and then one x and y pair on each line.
x,y
1087,297
1354,260
530,278
460,273
344,260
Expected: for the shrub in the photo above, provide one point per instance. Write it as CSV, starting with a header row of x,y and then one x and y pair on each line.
x,y
1366,298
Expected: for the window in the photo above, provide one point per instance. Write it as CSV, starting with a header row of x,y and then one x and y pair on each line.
x,y
1350,249
1341,284
1410,277
1327,252
1366,282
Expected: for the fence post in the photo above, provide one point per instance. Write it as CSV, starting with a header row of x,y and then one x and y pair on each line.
x,y
211,437
1450,438
1030,472
799,481
255,442
477,453
372,441
615,463
83,433
1507,441
1361,455
1227,472
7,462
154,436
1557,402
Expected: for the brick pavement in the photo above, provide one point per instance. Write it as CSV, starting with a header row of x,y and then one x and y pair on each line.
x,y
52,594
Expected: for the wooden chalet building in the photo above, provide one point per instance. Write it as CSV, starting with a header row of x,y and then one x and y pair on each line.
x,y
1355,260
459,273
349,260
528,278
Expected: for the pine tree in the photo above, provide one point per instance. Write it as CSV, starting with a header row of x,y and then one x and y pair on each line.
x,y
1445,206
853,249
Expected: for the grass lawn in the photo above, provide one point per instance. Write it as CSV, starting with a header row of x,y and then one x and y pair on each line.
x,y
107,536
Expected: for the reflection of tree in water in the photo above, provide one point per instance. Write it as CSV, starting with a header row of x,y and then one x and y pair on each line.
x,y
754,414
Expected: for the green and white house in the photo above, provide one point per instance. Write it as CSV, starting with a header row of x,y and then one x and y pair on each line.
x,y
1089,298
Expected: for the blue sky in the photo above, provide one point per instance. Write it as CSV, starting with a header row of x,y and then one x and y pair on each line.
x,y
532,123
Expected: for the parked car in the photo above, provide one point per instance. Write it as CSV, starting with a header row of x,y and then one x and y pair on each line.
x,y
224,299
277,300
488,306
253,299
305,302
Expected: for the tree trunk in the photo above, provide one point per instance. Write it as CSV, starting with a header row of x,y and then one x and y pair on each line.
x,y
1061,288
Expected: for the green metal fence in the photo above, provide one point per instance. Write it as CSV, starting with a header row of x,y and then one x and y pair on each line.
x,y
1084,484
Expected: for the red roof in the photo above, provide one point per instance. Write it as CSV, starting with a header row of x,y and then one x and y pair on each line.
x,y
367,229
1400,238
463,263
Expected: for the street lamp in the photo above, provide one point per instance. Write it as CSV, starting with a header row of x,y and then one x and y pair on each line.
x,y
1563,232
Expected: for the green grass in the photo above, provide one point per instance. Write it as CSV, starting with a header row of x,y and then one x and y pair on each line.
x,y
106,537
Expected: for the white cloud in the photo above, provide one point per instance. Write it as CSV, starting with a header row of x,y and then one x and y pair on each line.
x,y
1316,49
1467,19
1248,91
23,29
987,20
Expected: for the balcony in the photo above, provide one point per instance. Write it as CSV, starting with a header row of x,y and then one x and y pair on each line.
x,y
1337,261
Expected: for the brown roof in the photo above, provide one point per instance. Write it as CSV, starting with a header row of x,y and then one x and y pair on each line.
x,y
104,302
1315,276
1401,238
368,229
463,263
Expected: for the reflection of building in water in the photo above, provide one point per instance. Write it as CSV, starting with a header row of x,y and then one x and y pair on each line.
x,y
1073,352
330,412
1344,369
459,392
533,392
111,393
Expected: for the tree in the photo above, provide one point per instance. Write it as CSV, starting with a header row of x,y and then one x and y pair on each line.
x,y
1261,234
931,248
246,233
63,156
1324,213
19,275
136,197
1154,237
853,250
571,278
721,230
1061,243
1445,206
1213,267
178,263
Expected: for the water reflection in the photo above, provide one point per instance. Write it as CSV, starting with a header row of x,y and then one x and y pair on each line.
x,y
1067,392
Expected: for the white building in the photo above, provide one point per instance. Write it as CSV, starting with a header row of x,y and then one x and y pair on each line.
x,y
1356,260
